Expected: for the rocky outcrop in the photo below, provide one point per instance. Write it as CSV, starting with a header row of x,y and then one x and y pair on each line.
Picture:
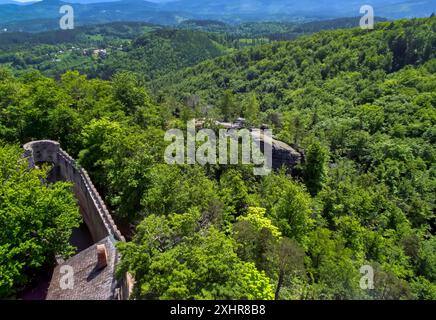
x,y
283,155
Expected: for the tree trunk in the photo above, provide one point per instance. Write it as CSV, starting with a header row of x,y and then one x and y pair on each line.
x,y
279,285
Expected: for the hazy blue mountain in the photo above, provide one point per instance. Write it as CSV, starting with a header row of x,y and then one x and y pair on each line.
x,y
320,8
45,15
19,3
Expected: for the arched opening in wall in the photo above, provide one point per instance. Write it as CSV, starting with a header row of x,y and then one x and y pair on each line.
x,y
53,171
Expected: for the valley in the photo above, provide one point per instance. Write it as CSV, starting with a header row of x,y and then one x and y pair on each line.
x,y
352,112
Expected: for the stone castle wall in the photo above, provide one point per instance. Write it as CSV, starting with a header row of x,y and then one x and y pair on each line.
x,y
93,210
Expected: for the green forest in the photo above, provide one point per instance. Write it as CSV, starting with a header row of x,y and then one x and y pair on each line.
x,y
361,103
147,49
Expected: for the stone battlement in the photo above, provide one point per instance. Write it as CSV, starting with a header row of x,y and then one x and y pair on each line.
x,y
96,217
93,209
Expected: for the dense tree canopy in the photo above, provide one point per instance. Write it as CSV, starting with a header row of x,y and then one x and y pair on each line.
x,y
36,220
360,103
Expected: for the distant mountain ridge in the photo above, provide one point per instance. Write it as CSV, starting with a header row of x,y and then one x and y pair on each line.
x,y
326,8
45,15
18,2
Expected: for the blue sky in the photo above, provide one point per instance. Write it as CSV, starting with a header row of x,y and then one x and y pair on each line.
x,y
89,1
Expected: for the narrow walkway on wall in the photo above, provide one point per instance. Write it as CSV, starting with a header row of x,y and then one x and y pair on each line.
x,y
94,263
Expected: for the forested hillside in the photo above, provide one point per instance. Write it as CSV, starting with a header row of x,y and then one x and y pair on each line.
x,y
361,104
101,50
147,49
275,69
368,98
165,51
271,30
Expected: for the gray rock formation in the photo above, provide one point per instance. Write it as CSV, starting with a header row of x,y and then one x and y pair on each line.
x,y
283,155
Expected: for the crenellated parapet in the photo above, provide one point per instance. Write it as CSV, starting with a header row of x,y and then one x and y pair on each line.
x,y
91,282
93,209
